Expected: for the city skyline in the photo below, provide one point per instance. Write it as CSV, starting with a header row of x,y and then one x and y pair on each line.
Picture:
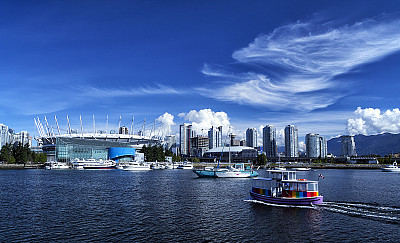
x,y
321,66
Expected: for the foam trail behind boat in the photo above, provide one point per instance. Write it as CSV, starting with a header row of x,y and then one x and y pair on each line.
x,y
371,211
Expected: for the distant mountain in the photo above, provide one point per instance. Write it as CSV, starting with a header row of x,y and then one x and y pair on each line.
x,y
380,144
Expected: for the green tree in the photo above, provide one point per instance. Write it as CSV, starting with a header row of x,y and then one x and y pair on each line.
x,y
6,153
195,160
261,159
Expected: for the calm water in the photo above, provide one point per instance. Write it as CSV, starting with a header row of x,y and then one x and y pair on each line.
x,y
174,205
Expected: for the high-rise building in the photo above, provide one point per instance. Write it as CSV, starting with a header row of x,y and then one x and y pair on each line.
x,y
198,145
170,141
316,146
348,146
215,136
291,141
269,141
233,140
123,130
323,143
23,138
251,137
4,135
185,133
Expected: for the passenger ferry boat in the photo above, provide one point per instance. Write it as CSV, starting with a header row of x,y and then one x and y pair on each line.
x,y
284,188
92,164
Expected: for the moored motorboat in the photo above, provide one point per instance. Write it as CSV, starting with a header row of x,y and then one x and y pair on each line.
x,y
284,188
185,166
56,166
136,166
302,169
391,168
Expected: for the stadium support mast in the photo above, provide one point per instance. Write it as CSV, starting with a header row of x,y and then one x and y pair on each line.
x,y
58,127
94,127
80,118
69,126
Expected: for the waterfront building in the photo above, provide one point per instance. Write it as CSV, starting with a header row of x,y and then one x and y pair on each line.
x,y
199,145
291,141
185,133
251,137
234,141
235,152
123,130
80,145
22,137
4,135
269,141
348,146
324,146
316,145
215,136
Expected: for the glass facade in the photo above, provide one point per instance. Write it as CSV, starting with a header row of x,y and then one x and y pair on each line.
x,y
68,149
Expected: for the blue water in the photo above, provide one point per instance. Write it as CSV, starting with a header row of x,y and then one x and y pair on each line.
x,y
174,205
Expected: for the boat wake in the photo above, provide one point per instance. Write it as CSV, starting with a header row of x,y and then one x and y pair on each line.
x,y
363,210
371,211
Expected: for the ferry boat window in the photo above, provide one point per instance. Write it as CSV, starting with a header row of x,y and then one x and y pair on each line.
x,y
285,176
302,187
293,186
312,187
292,176
286,186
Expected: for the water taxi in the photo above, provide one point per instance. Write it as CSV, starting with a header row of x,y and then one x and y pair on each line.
x,y
284,188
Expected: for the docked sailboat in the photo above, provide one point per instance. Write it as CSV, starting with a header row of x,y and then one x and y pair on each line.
x,y
235,171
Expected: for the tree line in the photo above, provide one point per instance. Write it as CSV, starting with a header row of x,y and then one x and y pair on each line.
x,y
20,154
157,153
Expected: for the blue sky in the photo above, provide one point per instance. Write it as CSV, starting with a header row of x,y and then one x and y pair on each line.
x,y
235,63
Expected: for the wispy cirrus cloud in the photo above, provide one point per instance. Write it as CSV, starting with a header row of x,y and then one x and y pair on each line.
x,y
296,66
137,91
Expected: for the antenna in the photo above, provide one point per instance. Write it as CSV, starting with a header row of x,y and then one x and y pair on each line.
x,y
119,124
80,118
58,128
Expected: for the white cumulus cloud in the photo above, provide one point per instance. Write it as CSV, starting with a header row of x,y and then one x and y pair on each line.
x,y
166,121
204,119
374,121
296,66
